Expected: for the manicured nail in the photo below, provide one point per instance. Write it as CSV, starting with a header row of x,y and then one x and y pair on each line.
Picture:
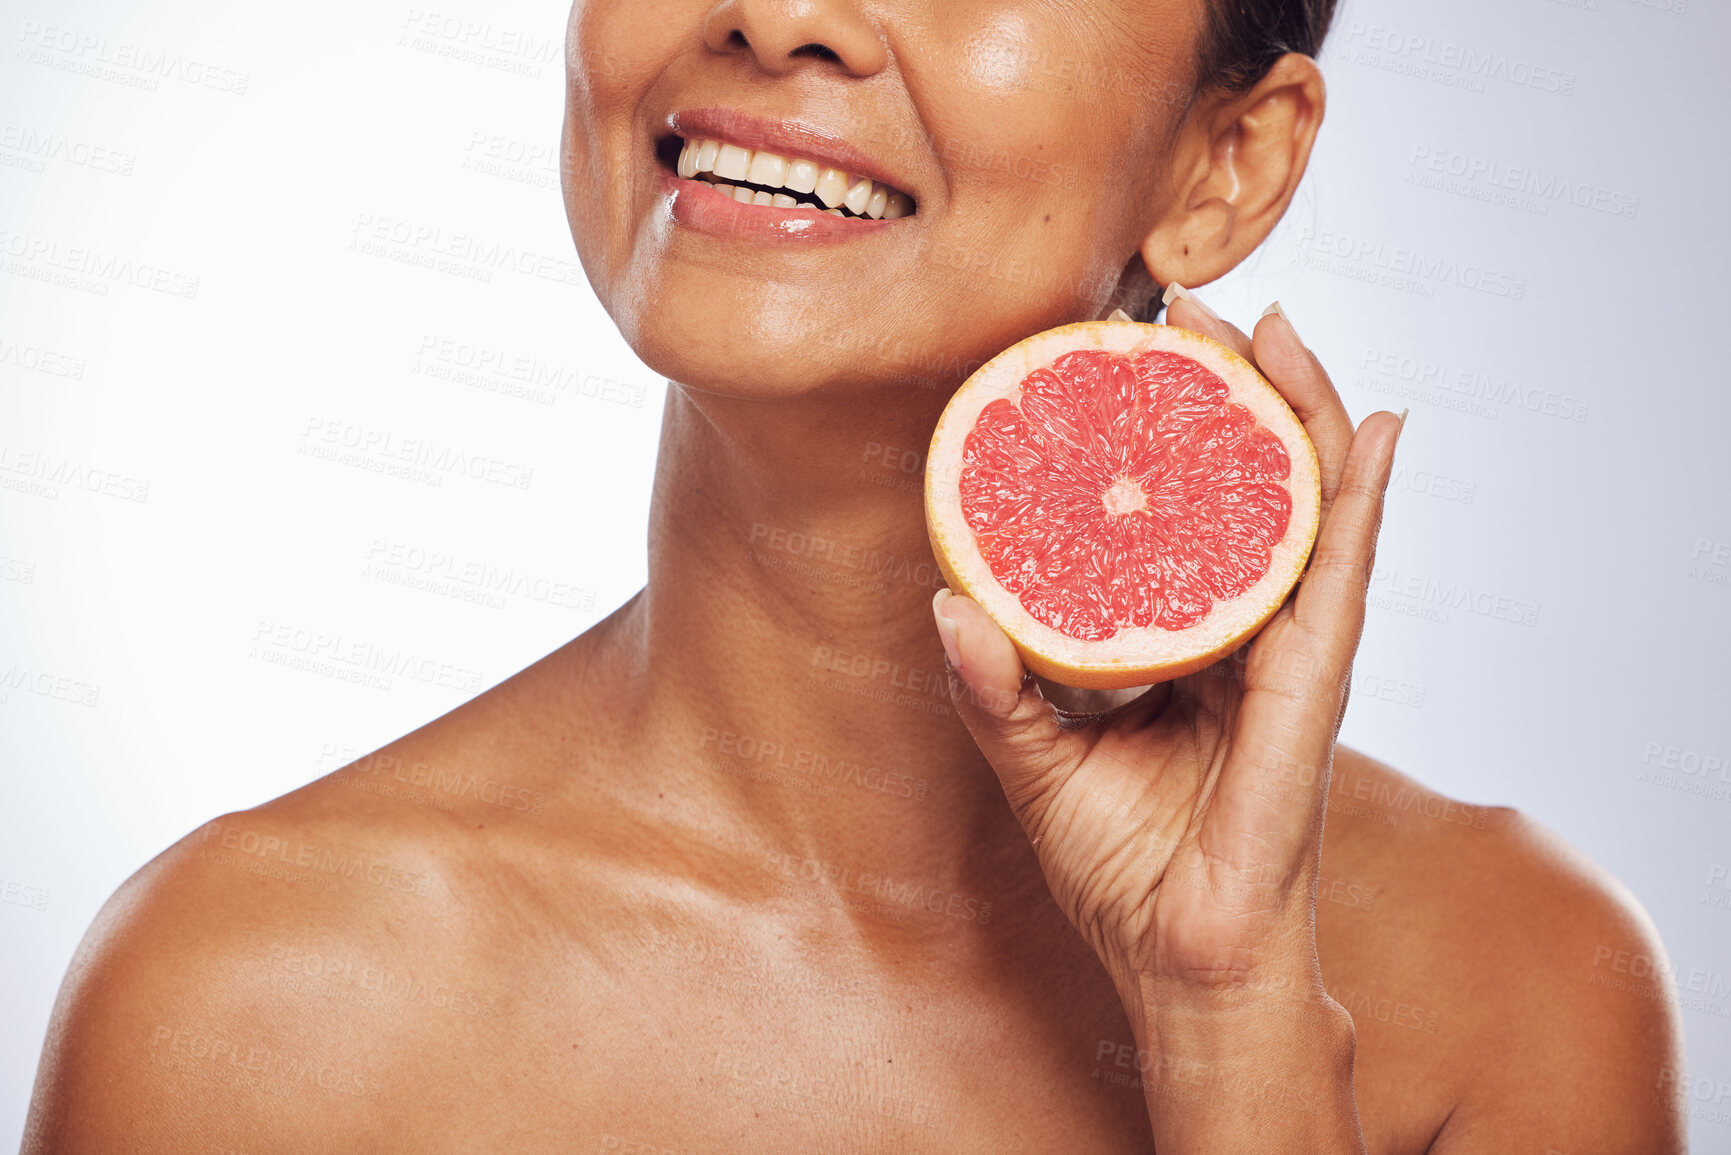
x,y
947,632
1119,315
1275,310
1399,433
1175,291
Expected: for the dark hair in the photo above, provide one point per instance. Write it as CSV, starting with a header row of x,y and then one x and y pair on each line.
x,y
1241,39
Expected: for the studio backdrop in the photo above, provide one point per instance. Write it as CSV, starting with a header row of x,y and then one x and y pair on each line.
x,y
311,428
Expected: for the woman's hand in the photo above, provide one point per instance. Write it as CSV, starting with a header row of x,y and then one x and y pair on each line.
x,y
1182,833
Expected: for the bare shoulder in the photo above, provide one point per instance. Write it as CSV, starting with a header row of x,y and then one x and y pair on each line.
x,y
170,1025
1477,948
279,970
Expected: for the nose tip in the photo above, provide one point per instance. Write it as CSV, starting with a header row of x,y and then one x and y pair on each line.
x,y
782,36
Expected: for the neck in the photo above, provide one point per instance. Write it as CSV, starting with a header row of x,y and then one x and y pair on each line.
x,y
787,661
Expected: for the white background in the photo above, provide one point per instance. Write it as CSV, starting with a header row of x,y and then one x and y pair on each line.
x,y
1564,464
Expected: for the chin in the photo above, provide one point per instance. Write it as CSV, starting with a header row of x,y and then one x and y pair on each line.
x,y
761,339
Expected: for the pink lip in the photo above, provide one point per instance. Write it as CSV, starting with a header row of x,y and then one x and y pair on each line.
x,y
787,138
698,204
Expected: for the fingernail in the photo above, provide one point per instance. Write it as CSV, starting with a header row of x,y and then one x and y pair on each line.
x,y
1119,315
1174,291
1275,310
947,632
1395,448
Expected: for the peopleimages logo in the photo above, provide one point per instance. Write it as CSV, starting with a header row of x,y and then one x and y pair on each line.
x,y
512,50
1687,761
1429,597
42,474
89,269
40,360
332,439
1428,58
1365,258
878,567
34,148
827,767
62,687
1460,387
1489,178
354,660
511,373
467,255
473,580
136,65
896,893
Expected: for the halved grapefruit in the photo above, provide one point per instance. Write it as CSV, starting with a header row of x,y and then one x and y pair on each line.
x,y
1129,502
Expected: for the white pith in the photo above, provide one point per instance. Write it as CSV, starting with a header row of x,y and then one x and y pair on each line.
x,y
805,184
1134,656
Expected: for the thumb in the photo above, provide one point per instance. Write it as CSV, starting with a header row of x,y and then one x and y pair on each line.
x,y
1011,721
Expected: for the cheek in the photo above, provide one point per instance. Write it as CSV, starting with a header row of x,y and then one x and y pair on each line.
x,y
609,65
998,57
1031,139
614,51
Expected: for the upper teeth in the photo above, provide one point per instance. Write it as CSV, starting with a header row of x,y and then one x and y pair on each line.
x,y
832,187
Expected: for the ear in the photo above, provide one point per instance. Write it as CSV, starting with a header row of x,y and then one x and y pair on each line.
x,y
1239,158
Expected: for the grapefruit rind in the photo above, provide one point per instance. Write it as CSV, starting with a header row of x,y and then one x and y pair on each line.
x,y
1135,656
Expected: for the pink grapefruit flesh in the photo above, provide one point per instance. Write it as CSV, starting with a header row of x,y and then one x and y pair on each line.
x,y
1128,502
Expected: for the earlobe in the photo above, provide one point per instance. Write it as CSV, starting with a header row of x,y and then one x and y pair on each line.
x,y
1189,244
1248,153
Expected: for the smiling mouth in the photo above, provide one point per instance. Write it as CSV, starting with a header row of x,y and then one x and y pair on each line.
x,y
760,177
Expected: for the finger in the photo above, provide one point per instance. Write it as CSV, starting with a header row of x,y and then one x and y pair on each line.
x,y
1272,791
1017,730
1329,608
1295,371
1186,310
1279,354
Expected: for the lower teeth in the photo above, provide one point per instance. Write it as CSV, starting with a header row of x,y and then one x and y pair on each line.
x,y
731,191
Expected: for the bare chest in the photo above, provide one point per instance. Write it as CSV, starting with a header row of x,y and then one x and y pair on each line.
x,y
655,1055
686,1046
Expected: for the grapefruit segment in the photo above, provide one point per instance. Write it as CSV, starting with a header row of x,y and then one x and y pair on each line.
x,y
1129,502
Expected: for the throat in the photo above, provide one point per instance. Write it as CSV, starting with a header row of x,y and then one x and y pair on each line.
x,y
791,683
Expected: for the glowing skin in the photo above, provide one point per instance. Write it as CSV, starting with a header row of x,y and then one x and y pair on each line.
x,y
732,872
1000,57
1005,160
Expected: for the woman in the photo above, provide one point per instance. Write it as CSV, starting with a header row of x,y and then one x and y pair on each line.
x,y
632,917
